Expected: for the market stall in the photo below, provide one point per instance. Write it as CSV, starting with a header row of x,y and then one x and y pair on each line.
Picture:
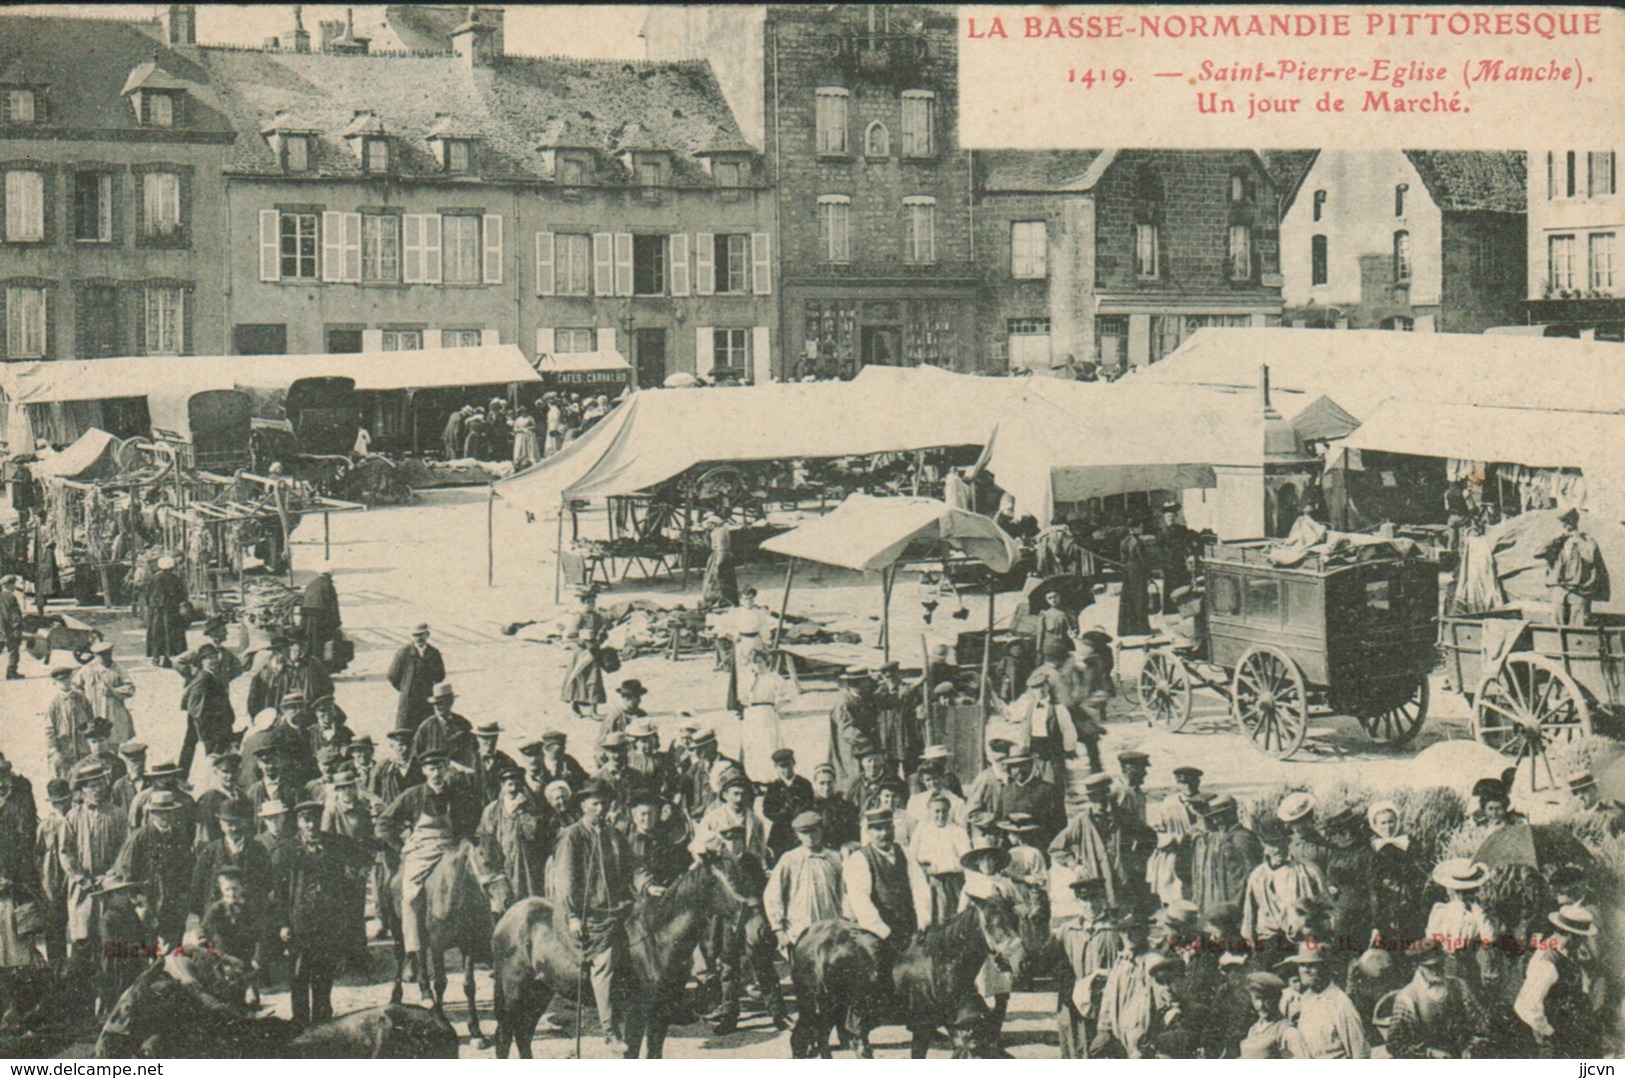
x,y
587,372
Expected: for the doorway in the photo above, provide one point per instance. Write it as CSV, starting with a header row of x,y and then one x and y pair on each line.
x,y
882,346
650,346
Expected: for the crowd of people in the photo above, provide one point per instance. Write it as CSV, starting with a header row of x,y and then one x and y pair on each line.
x,y
1182,924
524,435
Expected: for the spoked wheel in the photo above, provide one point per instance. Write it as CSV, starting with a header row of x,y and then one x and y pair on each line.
x,y
1529,705
1165,691
1270,702
1397,723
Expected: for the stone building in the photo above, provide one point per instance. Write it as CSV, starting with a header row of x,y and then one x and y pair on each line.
x,y
1116,256
1576,284
855,110
1406,240
111,145
396,201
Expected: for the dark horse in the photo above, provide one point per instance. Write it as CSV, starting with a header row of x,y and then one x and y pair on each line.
x,y
460,896
837,975
535,957
159,1017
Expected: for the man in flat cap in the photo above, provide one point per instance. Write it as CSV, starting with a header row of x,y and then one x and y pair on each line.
x,y
886,893
513,836
413,673
1272,1035
843,823
1091,943
1174,820
594,873
784,797
1436,1016
131,778
547,761
1271,912
166,629
107,686
1223,856
1330,1026
1011,786
209,714
805,885
313,914
1088,847
491,763
1575,572
67,717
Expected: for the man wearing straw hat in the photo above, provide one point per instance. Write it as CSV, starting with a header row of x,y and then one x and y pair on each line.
x,y
95,835
1459,920
1552,1001
1330,1026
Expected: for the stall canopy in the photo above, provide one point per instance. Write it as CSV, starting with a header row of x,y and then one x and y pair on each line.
x,y
658,434
868,534
1070,441
582,363
1535,438
1359,369
91,457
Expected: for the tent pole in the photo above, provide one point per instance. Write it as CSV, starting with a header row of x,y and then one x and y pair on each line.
x,y
491,537
558,558
887,577
987,649
925,687
784,604
327,536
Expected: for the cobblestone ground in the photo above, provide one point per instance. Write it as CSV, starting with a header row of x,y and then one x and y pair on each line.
x,y
427,562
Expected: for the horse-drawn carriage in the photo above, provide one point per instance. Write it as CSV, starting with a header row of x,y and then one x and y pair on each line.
x,y
1533,685
1348,633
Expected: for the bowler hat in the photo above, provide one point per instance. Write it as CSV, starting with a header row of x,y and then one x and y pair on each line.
x,y
235,809
489,729
596,790
57,789
631,687
1490,789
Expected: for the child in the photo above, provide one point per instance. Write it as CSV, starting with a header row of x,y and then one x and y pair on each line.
x,y
938,844
231,926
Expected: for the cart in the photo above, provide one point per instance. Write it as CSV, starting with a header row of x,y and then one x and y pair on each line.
x,y
1347,635
1533,685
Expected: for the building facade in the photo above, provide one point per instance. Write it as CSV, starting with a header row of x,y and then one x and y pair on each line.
x,y
1115,256
1575,283
1406,240
566,206
855,109
114,195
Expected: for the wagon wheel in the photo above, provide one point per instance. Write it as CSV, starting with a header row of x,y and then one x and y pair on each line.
x,y
1528,705
1396,724
1165,690
1270,702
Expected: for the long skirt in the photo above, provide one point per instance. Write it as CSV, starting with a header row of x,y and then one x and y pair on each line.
x,y
759,739
721,586
584,684
166,634
945,890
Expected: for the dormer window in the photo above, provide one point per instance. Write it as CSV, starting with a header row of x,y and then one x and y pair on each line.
x,y
21,106
459,155
572,171
296,153
160,110
653,173
375,155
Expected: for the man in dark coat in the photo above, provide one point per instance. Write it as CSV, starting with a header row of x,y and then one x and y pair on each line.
x,y
446,731
234,848
546,761
783,799
313,914
851,722
414,672
319,619
166,629
1223,856
11,625
209,714
158,857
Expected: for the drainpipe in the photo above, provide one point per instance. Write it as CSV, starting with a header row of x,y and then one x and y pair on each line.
x,y
778,229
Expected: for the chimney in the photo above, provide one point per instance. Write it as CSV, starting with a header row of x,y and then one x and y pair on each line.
x,y
479,40
299,40
180,24
346,42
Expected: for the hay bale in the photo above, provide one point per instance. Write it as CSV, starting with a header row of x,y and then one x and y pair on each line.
x,y
1429,816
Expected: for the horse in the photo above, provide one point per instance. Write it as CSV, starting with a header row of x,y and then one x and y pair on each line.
x,y
462,898
836,969
535,958
159,1017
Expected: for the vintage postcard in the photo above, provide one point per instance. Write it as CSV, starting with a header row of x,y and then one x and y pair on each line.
x,y
812,530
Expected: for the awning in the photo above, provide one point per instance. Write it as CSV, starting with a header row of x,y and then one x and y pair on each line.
x,y
576,362
1533,437
89,457
867,534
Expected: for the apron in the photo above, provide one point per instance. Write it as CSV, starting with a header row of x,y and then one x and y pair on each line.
x,y
430,840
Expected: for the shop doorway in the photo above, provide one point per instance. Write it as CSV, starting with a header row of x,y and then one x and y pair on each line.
x,y
882,346
650,345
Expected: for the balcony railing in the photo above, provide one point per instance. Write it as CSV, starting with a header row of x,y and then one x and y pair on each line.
x,y
878,268
881,57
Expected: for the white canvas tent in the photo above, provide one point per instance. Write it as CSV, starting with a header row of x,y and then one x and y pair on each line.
x,y
867,534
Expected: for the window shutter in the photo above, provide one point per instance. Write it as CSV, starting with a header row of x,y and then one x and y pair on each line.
x,y
138,296
489,337
372,340
270,249
431,248
433,339
188,347
544,264
351,248
679,263
603,264
493,248
761,263
332,246
606,340
623,263
761,356
412,248
705,264
705,355
544,342
184,195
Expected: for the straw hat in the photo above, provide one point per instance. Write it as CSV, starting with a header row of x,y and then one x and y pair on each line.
x,y
1460,874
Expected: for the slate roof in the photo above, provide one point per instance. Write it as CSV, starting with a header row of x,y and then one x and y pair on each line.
x,y
1033,170
1287,168
1465,180
85,65
515,106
